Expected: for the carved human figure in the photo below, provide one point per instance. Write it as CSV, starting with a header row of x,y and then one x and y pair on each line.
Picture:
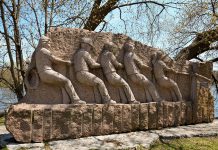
x,y
82,62
158,67
43,61
132,64
109,64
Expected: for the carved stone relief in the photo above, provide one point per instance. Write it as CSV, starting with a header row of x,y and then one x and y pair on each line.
x,y
80,66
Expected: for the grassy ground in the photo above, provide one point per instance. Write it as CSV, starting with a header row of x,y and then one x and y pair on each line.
x,y
2,120
196,143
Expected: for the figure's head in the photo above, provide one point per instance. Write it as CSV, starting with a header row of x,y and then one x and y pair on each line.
x,y
87,43
110,46
129,46
45,41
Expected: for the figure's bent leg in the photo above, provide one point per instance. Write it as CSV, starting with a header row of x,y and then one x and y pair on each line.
x,y
129,94
53,77
72,93
151,89
103,90
176,90
173,94
148,96
116,80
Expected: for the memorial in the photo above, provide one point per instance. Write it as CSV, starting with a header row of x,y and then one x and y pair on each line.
x,y
84,83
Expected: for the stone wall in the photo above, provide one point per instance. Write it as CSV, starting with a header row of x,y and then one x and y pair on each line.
x,y
65,42
37,123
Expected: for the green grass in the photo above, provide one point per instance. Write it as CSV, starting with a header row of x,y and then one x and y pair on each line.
x,y
2,120
196,143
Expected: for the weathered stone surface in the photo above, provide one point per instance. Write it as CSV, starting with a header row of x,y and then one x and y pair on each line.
x,y
32,146
126,118
97,119
18,122
165,114
152,115
37,123
131,140
76,121
177,108
171,114
117,123
47,124
160,115
87,121
118,141
189,111
107,119
143,118
198,130
183,113
62,44
135,116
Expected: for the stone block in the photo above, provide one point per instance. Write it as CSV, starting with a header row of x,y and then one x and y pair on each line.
x,y
61,123
165,114
152,115
117,123
126,118
47,124
171,114
18,122
160,115
97,119
87,120
189,119
210,108
76,121
143,116
183,113
107,119
135,116
37,125
177,113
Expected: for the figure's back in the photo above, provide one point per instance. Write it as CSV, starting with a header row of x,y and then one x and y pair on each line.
x,y
106,62
43,60
80,62
129,63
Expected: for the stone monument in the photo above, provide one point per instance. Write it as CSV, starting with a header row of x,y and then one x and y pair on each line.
x,y
83,83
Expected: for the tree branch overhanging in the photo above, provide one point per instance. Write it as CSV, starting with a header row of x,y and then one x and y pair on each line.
x,y
200,44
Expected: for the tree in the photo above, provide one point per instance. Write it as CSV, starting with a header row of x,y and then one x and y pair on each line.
x,y
196,31
24,21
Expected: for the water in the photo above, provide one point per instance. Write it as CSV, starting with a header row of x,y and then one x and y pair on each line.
x,y
7,98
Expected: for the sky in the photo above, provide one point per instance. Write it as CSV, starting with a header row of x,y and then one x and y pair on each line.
x,y
138,30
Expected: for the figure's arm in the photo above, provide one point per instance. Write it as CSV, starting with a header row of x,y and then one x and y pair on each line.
x,y
91,62
166,67
115,62
57,60
140,63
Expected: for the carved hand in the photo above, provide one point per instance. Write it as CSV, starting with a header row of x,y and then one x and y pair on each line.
x,y
69,63
147,67
120,66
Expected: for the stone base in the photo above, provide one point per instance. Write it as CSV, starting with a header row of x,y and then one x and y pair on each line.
x,y
37,123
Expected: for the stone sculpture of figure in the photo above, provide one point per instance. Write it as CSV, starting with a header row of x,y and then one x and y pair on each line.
x,y
44,60
158,67
132,64
82,62
109,64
